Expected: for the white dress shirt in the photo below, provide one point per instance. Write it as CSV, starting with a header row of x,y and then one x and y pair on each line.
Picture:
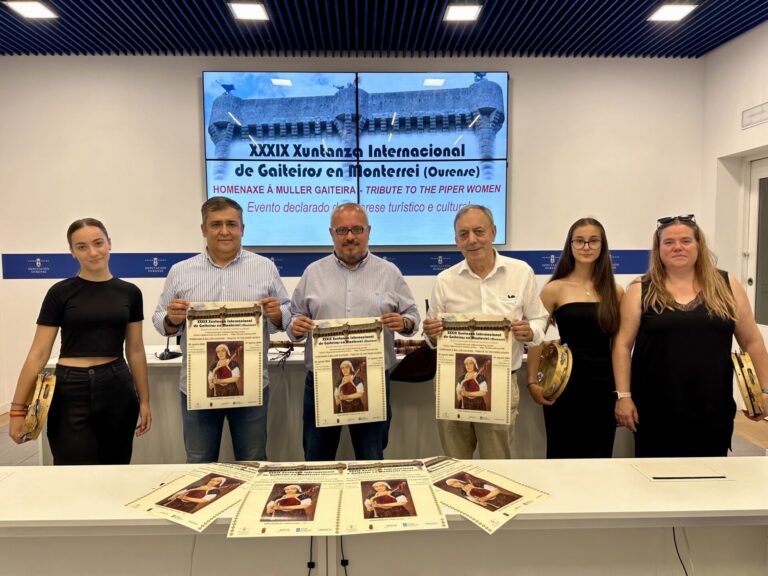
x,y
509,290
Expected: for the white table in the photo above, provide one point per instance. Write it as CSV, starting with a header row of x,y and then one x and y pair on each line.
x,y
602,517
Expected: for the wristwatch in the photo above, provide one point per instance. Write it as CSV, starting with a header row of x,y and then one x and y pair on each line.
x,y
407,325
168,322
620,395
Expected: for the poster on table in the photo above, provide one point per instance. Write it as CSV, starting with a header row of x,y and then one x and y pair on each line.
x,y
483,497
198,497
474,378
224,355
348,357
291,500
389,497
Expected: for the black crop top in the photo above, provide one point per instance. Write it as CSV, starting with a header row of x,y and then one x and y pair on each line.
x,y
93,316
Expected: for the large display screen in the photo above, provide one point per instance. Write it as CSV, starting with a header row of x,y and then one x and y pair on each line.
x,y
412,148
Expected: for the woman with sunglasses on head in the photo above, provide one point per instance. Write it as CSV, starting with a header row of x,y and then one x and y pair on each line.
x,y
675,390
583,298
95,407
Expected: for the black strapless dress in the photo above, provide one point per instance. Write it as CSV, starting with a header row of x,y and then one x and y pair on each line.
x,y
581,423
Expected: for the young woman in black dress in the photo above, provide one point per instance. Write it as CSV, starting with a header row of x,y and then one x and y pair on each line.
x,y
583,298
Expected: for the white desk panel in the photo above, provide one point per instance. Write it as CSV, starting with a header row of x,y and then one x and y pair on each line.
x,y
602,517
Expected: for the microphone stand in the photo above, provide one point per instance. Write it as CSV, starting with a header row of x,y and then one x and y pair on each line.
x,y
167,354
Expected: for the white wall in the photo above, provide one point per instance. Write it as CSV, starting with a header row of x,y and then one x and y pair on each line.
x,y
120,138
736,78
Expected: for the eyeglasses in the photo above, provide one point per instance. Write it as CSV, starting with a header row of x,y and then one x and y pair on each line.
x,y
343,230
579,243
669,219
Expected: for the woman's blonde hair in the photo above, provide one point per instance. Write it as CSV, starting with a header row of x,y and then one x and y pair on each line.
x,y
714,290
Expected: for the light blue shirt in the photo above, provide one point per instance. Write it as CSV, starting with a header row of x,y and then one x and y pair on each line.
x,y
330,290
198,279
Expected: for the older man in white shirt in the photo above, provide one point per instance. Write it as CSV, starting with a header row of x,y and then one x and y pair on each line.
x,y
488,283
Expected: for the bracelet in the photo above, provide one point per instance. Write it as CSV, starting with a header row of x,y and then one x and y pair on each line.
x,y
25,404
620,395
19,413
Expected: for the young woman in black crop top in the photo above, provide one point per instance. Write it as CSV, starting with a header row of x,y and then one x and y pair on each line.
x,y
97,399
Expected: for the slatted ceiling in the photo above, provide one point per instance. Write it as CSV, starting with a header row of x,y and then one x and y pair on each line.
x,y
380,28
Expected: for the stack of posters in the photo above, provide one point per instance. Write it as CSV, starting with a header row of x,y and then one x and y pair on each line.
x,y
483,497
329,499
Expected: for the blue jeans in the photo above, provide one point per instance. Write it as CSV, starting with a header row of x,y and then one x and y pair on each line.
x,y
369,440
247,426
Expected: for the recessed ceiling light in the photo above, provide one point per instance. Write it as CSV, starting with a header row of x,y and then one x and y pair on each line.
x,y
672,12
462,12
434,81
282,82
249,11
32,9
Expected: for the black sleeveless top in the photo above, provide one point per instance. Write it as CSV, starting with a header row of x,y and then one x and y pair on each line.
x,y
681,366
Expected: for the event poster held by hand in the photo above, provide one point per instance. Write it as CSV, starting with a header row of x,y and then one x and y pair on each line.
x,y
224,355
348,357
474,380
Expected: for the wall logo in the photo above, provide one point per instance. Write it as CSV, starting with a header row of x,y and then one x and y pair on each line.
x,y
38,266
156,266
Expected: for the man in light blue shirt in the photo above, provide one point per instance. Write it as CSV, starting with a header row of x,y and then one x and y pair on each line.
x,y
224,272
350,283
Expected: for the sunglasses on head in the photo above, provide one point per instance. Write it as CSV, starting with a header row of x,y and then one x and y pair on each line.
x,y
668,219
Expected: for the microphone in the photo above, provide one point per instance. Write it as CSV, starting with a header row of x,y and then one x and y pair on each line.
x,y
167,354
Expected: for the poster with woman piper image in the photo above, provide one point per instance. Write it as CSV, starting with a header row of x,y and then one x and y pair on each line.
x,y
224,355
474,379
198,497
389,497
348,358
291,499
480,495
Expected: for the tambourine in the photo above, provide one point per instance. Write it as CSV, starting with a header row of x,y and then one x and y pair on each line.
x,y
749,386
37,412
554,368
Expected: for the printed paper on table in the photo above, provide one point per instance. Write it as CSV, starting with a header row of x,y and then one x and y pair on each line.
x,y
291,500
198,497
389,497
484,497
